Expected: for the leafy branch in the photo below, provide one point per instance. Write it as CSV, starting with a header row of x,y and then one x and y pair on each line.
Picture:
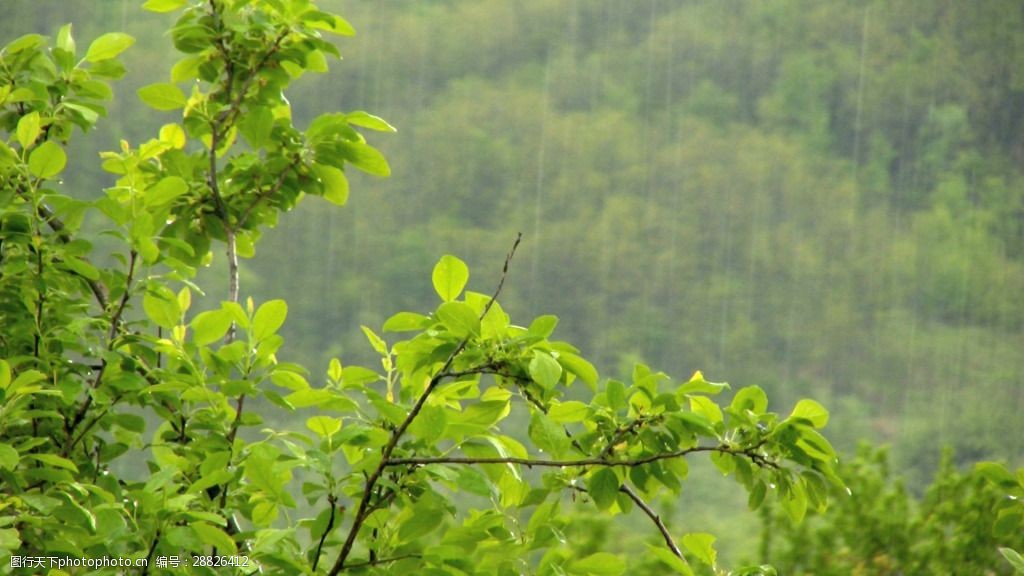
x,y
364,504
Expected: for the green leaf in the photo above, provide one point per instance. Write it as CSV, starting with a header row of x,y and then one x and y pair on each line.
x,y
323,426
210,326
698,385
366,158
65,41
8,457
429,425
406,322
162,310
367,120
459,318
162,96
334,183
616,393
5,374
545,370
1014,559
547,435
290,380
55,461
269,317
330,23
599,564
28,129
450,277
107,46
810,410
424,519
47,160
378,343
997,474
571,411
701,545
166,190
603,486
705,407
583,369
543,326
750,398
678,564
215,537
82,268
163,5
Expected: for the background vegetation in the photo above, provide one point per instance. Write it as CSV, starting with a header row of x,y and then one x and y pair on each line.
x,y
822,198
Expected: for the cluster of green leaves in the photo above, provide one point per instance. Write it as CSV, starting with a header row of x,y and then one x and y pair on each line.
x,y
101,365
1009,522
960,525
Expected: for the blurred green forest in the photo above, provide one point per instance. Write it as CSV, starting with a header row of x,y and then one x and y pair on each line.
x,y
824,198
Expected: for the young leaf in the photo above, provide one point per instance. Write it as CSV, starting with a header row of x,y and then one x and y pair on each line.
x,y
65,41
1014,559
166,190
367,120
28,129
162,96
701,545
811,411
459,318
698,385
547,435
163,5
334,184
544,370
571,411
269,317
603,486
450,277
406,322
599,564
107,46
47,160
210,326
675,562
161,309
323,426
8,457
379,345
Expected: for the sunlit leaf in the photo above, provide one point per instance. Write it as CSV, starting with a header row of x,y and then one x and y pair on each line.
x,y
449,277
108,46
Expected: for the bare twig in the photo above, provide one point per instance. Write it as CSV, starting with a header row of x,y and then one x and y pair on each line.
x,y
364,504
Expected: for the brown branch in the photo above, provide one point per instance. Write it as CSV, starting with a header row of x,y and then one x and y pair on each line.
x,y
115,320
754,457
646,508
655,518
364,503
332,501
624,488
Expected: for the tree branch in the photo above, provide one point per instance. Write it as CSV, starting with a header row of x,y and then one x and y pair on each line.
x,y
750,453
99,290
364,503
